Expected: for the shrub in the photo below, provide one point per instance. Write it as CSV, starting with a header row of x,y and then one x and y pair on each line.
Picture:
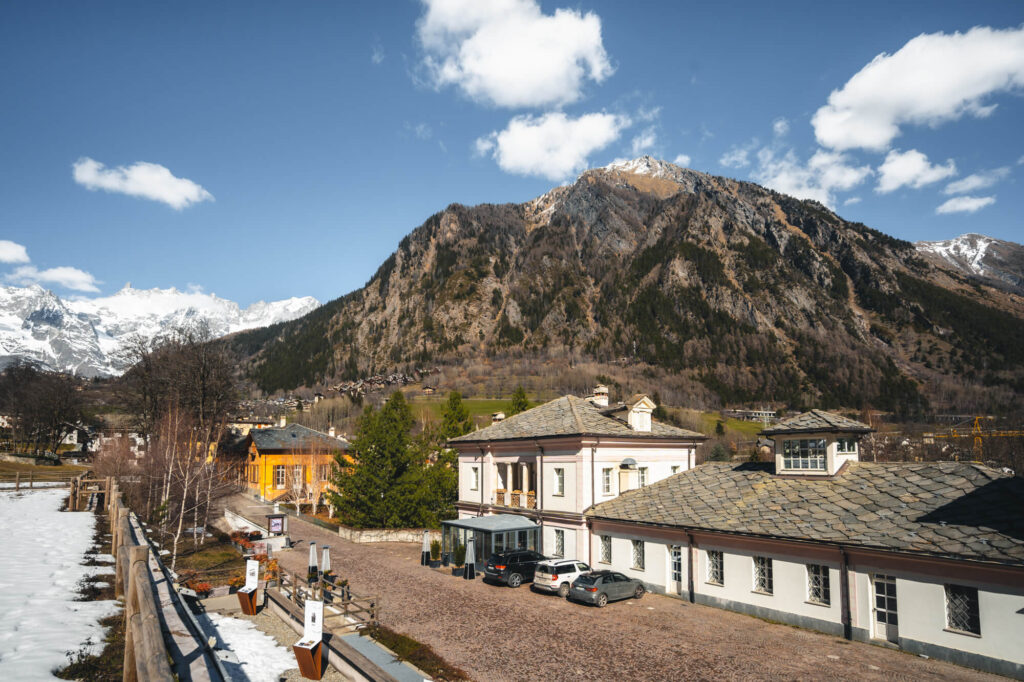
x,y
435,549
460,556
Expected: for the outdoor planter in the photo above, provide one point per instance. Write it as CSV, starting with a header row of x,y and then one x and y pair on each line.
x,y
458,570
435,563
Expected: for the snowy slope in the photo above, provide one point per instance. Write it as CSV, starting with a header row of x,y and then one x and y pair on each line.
x,y
40,568
85,335
980,256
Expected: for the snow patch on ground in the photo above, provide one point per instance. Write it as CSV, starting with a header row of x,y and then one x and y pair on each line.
x,y
260,657
40,568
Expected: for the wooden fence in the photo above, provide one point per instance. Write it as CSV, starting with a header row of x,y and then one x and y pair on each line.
x,y
18,480
343,610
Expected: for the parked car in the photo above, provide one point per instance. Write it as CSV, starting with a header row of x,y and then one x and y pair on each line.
x,y
601,587
513,567
556,575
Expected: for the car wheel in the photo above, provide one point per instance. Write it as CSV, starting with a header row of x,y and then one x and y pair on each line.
x,y
639,592
602,601
515,580
563,590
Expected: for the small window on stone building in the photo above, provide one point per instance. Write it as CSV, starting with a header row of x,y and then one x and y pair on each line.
x,y
962,609
817,584
716,567
606,549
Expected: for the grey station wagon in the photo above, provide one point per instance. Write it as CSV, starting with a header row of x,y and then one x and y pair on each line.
x,y
601,587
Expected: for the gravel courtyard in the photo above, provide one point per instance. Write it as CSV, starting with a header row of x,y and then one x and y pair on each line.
x,y
496,633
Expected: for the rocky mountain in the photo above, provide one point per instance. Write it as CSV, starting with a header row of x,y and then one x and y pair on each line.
x,y
85,335
995,261
721,290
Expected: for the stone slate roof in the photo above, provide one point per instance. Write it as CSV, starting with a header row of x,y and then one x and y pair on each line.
x,y
817,421
570,416
954,509
295,438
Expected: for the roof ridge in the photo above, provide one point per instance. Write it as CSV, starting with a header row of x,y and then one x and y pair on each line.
x,y
575,414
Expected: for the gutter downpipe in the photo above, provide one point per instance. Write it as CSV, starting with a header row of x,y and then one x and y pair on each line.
x,y
593,496
480,508
844,593
539,499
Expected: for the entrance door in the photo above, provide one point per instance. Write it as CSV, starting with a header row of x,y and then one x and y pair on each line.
x,y
886,622
677,569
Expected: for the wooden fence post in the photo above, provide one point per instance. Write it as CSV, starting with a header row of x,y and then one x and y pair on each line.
x,y
17,480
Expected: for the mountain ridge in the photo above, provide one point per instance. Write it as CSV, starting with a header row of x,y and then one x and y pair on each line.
x,y
734,292
85,335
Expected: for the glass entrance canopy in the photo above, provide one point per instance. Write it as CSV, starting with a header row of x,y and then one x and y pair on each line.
x,y
492,534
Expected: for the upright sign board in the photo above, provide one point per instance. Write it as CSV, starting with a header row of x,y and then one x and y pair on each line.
x,y
247,595
308,650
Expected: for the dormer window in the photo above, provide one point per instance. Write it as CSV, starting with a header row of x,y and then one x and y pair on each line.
x,y
846,446
804,454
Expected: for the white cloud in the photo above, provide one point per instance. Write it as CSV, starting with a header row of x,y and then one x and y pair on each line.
x,y
911,169
553,146
780,127
141,179
643,142
11,252
422,131
1020,161
818,179
977,181
851,201
737,157
932,79
509,53
68,277
965,204
682,160
377,56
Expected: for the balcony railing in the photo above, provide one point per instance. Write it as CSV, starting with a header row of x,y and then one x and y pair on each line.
x,y
516,499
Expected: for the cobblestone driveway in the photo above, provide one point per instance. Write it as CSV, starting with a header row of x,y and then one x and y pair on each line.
x,y
495,633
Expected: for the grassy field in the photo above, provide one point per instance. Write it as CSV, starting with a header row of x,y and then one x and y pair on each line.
x,y
12,467
480,409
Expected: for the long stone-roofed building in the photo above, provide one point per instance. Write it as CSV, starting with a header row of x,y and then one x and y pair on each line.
x,y
928,556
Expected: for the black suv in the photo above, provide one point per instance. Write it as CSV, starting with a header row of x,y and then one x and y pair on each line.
x,y
513,568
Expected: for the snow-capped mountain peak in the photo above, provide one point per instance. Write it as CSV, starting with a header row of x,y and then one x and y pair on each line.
x,y
86,335
977,255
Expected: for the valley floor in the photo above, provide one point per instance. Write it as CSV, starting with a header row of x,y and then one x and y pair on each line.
x,y
496,633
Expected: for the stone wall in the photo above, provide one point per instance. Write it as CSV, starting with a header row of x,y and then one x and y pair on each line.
x,y
386,534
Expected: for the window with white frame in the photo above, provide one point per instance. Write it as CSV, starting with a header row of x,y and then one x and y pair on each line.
x,y
716,567
806,453
677,564
559,482
846,446
559,550
474,478
638,555
962,609
606,481
279,476
763,581
606,549
643,476
817,584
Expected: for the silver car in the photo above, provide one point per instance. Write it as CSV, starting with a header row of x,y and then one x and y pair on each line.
x,y
601,587
556,575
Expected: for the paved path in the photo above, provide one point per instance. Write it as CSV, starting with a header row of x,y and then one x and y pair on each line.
x,y
497,633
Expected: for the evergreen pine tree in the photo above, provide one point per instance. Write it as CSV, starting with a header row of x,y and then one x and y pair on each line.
x,y
455,419
381,488
519,401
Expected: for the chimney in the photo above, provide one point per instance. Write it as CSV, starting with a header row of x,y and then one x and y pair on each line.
x,y
330,432
283,422
497,417
600,396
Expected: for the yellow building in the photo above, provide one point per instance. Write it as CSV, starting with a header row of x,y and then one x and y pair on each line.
x,y
290,463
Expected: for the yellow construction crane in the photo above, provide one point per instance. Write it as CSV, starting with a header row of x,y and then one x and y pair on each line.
x,y
977,433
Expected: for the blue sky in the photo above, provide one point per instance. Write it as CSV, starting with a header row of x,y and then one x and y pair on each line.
x,y
267,150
